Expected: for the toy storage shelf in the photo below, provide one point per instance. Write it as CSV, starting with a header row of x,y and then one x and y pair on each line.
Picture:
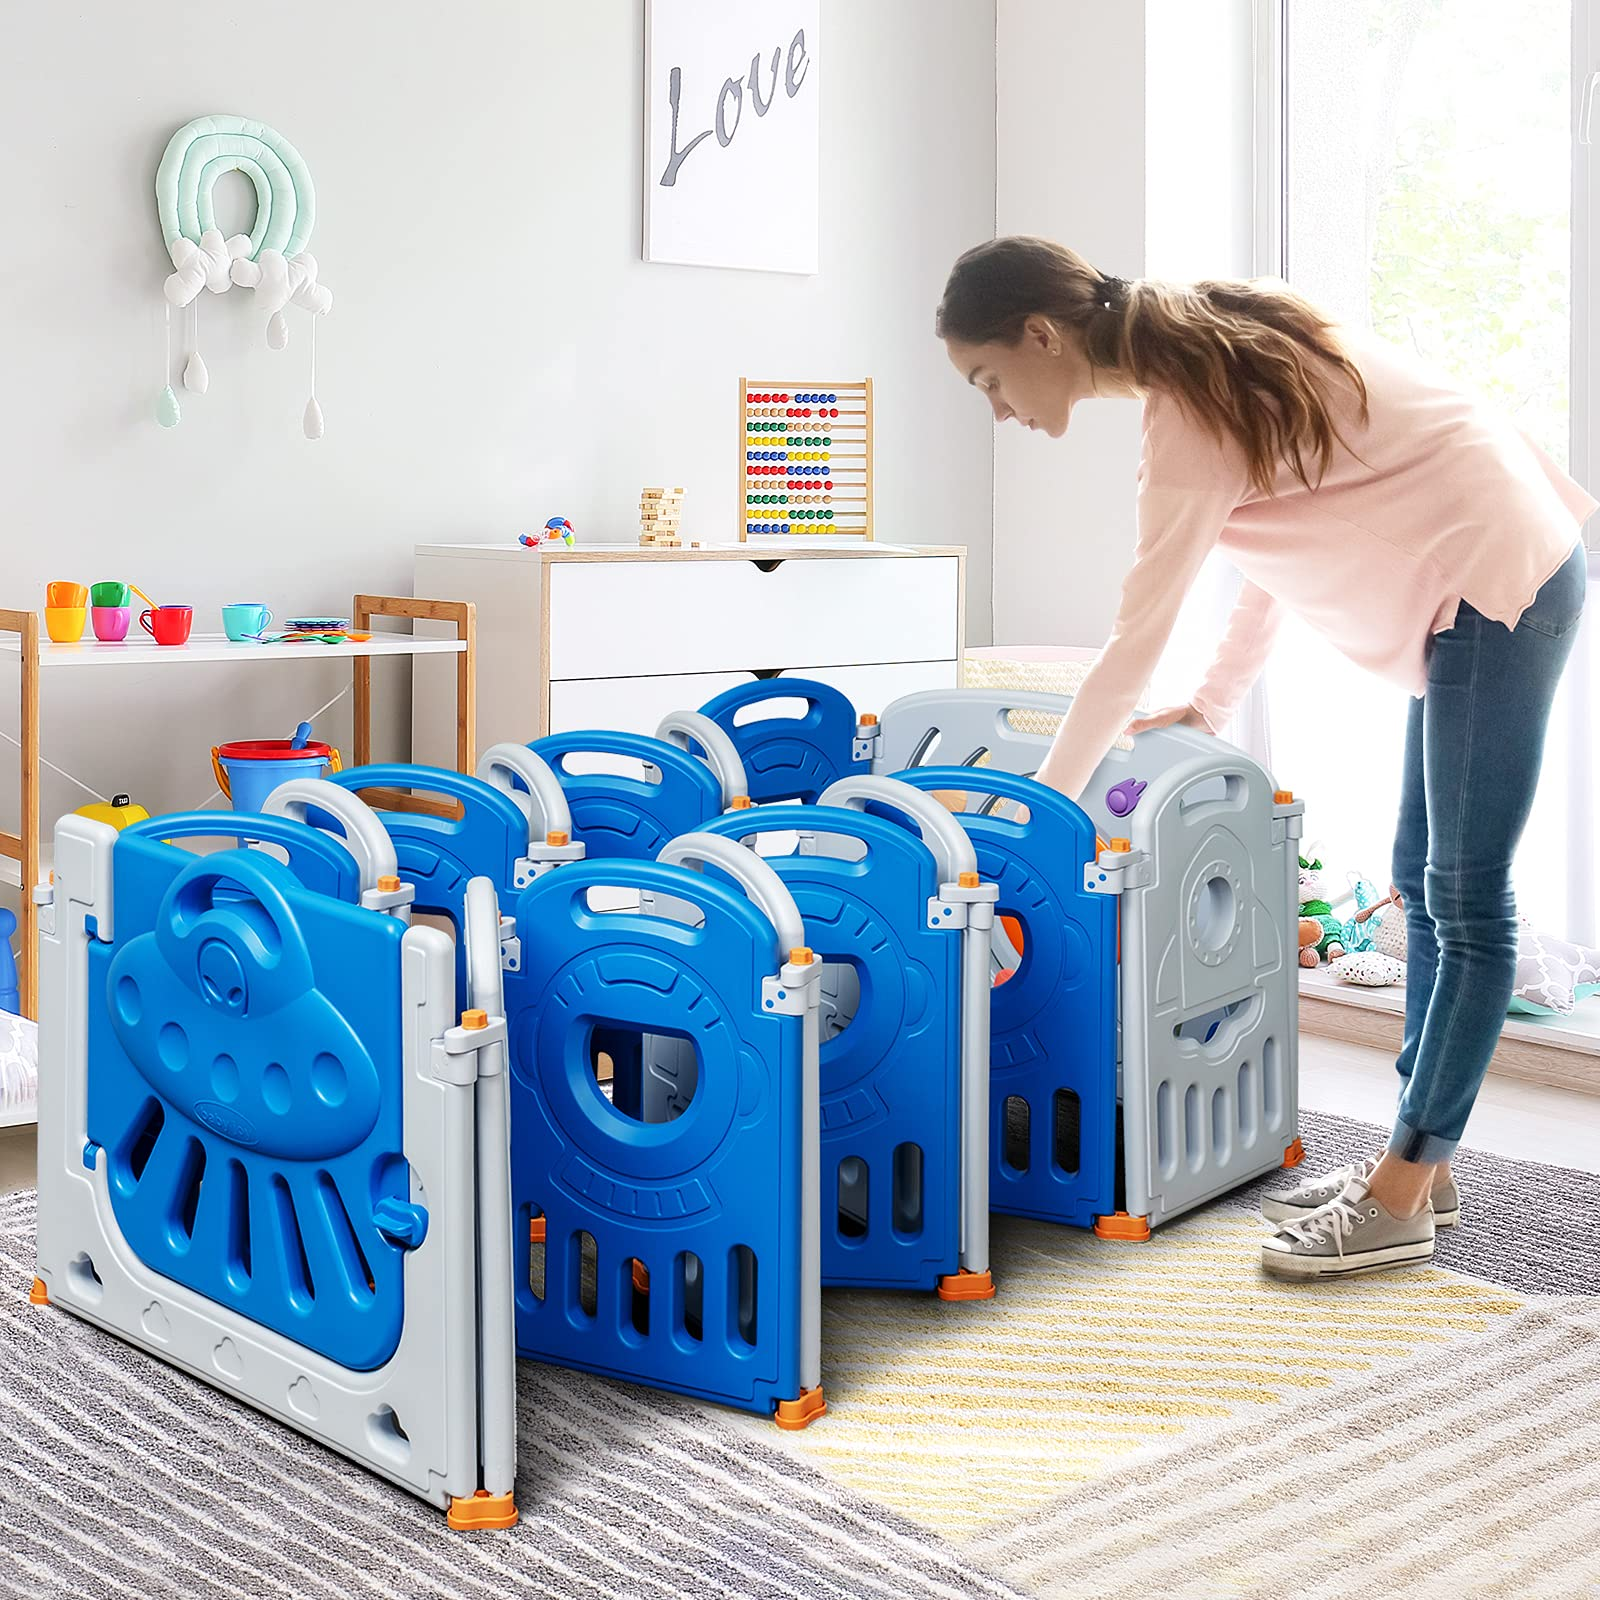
x,y
218,647
619,636
24,855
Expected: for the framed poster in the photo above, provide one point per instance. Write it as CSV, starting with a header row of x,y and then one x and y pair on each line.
x,y
731,134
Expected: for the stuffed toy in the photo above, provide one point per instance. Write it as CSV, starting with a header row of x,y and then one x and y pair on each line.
x,y
1314,907
1376,943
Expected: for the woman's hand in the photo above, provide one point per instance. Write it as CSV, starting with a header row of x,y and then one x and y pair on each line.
x,y
1183,716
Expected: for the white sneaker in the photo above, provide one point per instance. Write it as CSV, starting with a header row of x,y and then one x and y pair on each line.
x,y
1311,1193
1350,1235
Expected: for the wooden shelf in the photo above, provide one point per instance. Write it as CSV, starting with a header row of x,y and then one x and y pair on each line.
x,y
23,855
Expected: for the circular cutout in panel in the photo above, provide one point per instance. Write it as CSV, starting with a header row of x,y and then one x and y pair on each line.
x,y
1214,913
225,1078
172,1045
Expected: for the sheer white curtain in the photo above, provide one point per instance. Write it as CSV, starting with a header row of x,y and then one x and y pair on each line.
x,y
1429,192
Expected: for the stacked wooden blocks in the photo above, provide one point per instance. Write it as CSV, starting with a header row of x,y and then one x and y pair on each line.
x,y
660,518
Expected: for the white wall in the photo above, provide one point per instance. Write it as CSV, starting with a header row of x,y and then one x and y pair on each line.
x,y
1125,132
497,352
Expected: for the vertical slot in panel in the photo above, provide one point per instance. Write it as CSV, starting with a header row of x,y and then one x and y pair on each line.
x,y
908,1189
742,1279
635,1295
1221,1123
854,1189
1166,1130
1017,1131
186,1196
537,1227
237,1267
296,1264
584,1259
1066,1130
1249,1091
1271,1083
342,1234
1194,1149
134,1153
691,1283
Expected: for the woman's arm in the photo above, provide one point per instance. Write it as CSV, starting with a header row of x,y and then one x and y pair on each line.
x,y
1178,527
1251,632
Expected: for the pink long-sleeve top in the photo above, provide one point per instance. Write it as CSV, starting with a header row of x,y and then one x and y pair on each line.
x,y
1436,500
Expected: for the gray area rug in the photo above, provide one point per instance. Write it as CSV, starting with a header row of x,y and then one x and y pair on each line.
x,y
1464,1462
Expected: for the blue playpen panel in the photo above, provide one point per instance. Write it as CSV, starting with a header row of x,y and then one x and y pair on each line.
x,y
891,1079
245,1080
666,1253
618,817
790,758
1053,1022
319,861
439,856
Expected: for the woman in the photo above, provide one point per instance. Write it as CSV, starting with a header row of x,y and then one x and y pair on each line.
x,y
1421,532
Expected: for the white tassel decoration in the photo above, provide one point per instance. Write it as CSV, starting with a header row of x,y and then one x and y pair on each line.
x,y
277,331
312,421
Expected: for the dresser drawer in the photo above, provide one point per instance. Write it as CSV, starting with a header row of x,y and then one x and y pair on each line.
x,y
624,619
637,705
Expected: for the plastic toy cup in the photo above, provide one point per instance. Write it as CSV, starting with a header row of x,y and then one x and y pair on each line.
x,y
167,624
68,596
108,594
64,623
245,619
111,623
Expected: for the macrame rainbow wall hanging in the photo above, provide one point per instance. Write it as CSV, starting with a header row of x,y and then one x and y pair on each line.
x,y
272,259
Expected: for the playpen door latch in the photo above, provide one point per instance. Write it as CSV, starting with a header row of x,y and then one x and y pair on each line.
x,y
401,1222
1112,871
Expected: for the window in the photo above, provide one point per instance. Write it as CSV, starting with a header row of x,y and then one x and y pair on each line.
x,y
1429,181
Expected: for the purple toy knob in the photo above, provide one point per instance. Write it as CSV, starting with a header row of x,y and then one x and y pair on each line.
x,y
1121,798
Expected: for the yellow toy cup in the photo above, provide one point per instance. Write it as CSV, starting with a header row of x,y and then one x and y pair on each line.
x,y
64,624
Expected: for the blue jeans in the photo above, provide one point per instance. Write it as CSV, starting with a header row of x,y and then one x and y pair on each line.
x,y
1474,743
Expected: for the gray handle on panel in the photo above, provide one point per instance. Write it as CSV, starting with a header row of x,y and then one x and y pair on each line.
x,y
545,802
682,727
750,872
950,843
365,836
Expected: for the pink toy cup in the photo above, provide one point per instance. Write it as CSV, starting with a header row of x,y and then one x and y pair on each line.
x,y
111,623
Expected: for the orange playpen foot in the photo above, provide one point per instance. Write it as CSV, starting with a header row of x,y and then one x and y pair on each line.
x,y
792,1415
964,1285
1120,1226
1294,1153
482,1510
38,1295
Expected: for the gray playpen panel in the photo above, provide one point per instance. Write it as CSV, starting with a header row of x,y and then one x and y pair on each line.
x,y
416,1419
1208,993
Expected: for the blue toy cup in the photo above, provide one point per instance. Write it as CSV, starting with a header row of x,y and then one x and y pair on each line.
x,y
245,619
248,770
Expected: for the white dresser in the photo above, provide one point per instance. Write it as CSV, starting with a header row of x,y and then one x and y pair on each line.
x,y
617,637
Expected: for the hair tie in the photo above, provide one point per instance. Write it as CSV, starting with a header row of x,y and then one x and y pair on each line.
x,y
1109,291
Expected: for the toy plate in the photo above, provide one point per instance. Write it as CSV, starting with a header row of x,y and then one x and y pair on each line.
x,y
316,624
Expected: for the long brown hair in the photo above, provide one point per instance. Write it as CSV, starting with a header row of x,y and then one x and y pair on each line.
x,y
1251,360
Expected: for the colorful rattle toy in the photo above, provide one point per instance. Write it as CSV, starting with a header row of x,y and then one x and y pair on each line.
x,y
557,528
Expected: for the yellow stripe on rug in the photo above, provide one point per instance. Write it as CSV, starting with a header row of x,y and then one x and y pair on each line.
x,y
960,1416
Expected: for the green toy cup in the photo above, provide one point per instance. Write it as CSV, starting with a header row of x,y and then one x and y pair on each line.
x,y
109,594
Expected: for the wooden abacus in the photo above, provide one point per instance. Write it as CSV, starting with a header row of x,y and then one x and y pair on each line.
x,y
805,459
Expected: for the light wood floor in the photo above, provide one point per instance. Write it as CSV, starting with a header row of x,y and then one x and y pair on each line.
x,y
1526,1121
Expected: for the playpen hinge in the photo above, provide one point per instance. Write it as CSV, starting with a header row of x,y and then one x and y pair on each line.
x,y
458,1055
794,990
869,736
391,896
44,898
963,905
543,858
510,946
1288,816
1112,871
